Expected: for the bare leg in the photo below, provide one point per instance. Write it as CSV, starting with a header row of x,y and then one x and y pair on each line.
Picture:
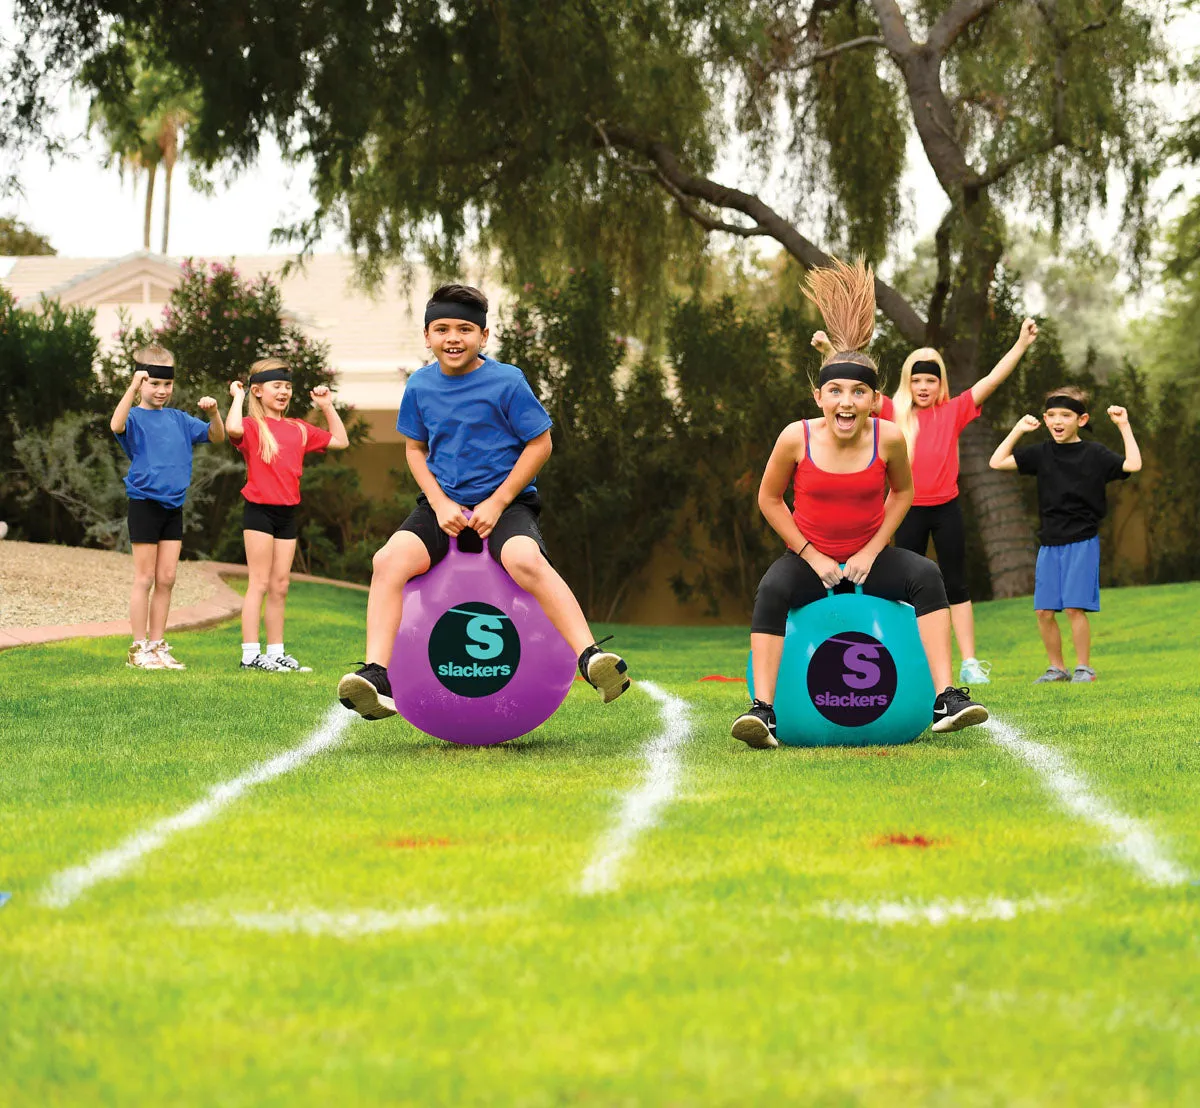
x,y
260,549
962,616
934,628
527,566
144,554
277,587
767,651
164,581
1081,635
1051,637
402,558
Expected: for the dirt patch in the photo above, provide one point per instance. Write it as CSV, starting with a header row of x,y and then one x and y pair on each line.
x,y
44,584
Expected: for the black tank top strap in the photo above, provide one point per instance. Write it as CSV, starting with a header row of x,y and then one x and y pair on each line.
x,y
875,443
807,441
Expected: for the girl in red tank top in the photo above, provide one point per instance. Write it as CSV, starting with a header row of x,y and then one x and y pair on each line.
x,y
853,485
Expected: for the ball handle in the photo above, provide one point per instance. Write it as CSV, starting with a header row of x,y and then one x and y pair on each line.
x,y
857,588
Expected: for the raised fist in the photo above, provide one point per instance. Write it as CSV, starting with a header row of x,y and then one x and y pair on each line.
x,y
1118,415
1029,423
206,404
140,377
321,396
236,388
820,340
1029,332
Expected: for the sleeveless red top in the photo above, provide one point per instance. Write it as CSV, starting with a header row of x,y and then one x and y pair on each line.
x,y
839,513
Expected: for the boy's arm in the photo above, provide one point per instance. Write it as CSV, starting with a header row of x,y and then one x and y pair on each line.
x,y
1002,457
233,421
985,386
117,423
527,466
1133,453
449,515
216,429
323,398
895,508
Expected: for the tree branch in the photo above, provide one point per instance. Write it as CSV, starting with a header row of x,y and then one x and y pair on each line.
x,y
954,21
684,185
830,52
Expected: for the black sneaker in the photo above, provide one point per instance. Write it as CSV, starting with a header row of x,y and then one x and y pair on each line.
x,y
604,671
368,692
756,727
954,709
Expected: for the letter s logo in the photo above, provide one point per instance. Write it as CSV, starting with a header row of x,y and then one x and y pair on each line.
x,y
866,673
487,643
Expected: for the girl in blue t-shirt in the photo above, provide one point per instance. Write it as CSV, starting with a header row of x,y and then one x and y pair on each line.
x,y
158,442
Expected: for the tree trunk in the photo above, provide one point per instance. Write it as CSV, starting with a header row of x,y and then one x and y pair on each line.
x,y
166,203
150,171
1004,528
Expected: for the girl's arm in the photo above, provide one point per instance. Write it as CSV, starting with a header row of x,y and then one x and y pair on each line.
x,y
216,429
1133,453
820,341
895,508
525,469
323,399
985,386
117,423
1002,457
233,421
449,515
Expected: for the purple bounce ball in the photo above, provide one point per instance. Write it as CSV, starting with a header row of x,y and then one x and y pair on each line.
x,y
476,660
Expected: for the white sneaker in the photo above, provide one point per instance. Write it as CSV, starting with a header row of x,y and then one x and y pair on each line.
x,y
975,672
143,656
163,649
286,661
262,662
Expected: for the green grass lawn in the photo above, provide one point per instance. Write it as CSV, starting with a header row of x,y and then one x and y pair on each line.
x,y
399,920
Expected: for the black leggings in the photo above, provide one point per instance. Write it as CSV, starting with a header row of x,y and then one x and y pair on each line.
x,y
791,582
945,523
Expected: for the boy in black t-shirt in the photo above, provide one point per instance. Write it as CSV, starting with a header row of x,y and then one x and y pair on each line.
x,y
1071,476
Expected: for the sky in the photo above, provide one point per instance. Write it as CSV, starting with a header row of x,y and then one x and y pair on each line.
x,y
87,210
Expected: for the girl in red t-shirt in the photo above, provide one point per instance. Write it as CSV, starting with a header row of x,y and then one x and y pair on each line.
x,y
274,448
931,423
852,485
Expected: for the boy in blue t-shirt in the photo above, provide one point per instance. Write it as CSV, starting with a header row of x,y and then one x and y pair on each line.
x,y
476,438
158,442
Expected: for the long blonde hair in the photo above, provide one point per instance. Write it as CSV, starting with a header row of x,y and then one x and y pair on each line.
x,y
844,294
905,415
268,444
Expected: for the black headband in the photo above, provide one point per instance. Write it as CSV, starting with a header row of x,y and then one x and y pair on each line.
x,y
158,372
280,373
451,309
849,371
926,366
1058,400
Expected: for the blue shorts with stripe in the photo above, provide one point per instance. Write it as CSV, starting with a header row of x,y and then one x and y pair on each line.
x,y
1068,577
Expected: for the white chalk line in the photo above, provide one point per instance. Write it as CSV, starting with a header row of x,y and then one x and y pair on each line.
x,y
936,913
643,806
317,921
1132,840
66,887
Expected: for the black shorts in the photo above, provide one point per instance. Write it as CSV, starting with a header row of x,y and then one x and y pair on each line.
x,y
519,518
791,582
152,522
278,520
944,524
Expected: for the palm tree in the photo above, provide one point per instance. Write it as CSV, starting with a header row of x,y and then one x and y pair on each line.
x,y
146,128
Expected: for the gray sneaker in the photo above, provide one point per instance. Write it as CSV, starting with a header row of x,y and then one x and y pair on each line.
x,y
1053,673
1083,673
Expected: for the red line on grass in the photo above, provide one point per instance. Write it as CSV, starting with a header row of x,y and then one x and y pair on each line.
x,y
721,677
898,839
416,844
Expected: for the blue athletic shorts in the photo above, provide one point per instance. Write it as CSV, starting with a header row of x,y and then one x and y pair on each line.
x,y
1068,577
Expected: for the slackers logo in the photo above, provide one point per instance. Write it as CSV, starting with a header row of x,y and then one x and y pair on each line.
x,y
474,649
851,679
